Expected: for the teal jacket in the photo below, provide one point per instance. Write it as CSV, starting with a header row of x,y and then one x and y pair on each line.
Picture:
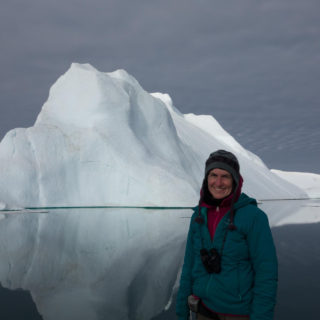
x,y
247,283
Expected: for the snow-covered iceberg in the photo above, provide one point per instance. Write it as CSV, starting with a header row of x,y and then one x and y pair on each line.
x,y
100,139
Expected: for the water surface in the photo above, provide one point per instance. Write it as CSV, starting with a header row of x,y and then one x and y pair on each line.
x,y
123,263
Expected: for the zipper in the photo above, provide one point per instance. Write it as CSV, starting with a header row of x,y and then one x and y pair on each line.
x,y
238,282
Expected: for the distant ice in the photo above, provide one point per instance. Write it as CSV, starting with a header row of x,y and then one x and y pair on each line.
x,y
283,212
2,206
309,182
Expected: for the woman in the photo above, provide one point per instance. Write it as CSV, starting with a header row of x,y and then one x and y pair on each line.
x,y
230,264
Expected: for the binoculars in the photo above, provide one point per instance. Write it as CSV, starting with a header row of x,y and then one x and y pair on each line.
x,y
211,260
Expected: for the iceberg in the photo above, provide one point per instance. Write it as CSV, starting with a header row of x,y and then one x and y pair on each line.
x,y
102,140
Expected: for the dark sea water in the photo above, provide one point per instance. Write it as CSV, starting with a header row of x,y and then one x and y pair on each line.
x,y
299,264
112,263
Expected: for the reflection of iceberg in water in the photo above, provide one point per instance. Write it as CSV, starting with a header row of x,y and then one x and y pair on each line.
x,y
123,263
106,263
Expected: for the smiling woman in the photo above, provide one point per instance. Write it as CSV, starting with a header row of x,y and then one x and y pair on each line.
x,y
230,264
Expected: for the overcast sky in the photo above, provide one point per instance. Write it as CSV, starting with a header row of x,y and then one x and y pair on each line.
x,y
253,65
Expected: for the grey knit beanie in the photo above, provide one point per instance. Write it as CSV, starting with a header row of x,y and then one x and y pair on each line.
x,y
223,160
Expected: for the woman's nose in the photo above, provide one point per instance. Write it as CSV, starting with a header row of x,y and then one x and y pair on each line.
x,y
218,181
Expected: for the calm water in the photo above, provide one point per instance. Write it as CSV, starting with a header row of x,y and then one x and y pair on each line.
x,y
123,263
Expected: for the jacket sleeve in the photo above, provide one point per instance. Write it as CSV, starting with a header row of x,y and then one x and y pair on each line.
x,y
265,266
185,289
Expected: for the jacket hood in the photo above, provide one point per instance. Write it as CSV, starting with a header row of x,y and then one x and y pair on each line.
x,y
244,200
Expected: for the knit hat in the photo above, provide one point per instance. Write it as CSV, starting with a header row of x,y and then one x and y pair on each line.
x,y
223,160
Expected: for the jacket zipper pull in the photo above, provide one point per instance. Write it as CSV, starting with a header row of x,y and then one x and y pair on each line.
x,y
218,209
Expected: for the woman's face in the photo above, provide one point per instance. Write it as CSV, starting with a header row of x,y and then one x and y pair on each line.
x,y
219,183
